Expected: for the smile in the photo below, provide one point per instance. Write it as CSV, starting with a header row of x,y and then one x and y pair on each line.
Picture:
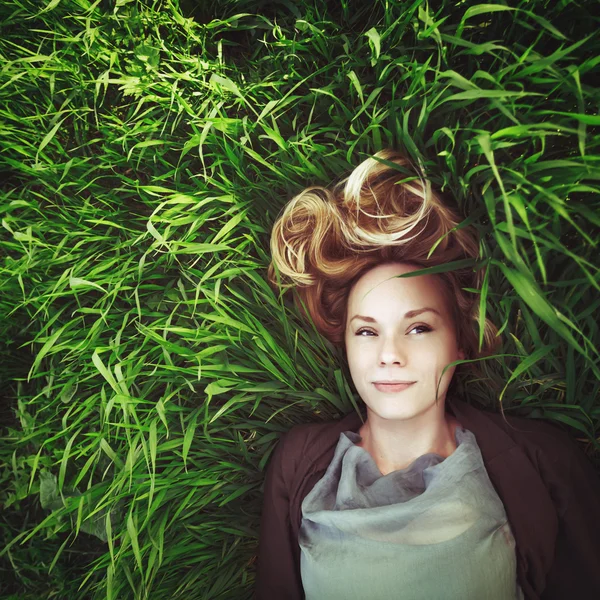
x,y
392,387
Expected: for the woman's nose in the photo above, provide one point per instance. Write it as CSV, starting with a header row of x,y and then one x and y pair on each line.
x,y
392,352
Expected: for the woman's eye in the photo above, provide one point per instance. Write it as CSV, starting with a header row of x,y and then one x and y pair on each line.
x,y
424,328
420,328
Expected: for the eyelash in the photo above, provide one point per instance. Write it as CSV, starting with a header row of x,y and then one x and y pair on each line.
x,y
426,327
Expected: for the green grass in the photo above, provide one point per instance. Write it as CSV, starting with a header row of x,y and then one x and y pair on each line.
x,y
146,149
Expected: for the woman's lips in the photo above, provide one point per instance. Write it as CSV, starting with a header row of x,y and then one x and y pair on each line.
x,y
392,387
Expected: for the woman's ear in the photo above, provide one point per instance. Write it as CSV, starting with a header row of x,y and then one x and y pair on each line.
x,y
461,355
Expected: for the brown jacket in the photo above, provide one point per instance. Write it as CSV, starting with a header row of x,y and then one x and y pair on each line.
x,y
550,491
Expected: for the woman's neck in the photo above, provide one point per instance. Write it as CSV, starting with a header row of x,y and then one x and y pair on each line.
x,y
395,445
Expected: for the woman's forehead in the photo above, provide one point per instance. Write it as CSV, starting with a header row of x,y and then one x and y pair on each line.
x,y
385,292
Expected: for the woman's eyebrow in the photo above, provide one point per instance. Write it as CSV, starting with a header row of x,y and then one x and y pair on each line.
x,y
409,315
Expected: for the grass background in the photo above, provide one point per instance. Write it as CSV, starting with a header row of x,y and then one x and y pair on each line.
x,y
146,149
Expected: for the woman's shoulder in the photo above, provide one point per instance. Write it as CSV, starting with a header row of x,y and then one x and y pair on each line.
x,y
326,428
541,439
497,431
305,443
528,427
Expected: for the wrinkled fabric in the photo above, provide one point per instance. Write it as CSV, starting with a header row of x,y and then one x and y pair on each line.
x,y
548,486
436,529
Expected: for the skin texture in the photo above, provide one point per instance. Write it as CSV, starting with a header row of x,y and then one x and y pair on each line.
x,y
402,426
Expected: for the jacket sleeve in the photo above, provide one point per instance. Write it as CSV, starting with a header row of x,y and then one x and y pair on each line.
x,y
276,573
575,572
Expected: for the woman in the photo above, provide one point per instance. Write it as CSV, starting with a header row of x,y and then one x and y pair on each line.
x,y
428,497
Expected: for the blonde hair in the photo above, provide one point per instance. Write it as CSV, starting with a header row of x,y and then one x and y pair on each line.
x,y
324,240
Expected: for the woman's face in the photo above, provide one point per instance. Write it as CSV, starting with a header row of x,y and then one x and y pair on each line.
x,y
396,343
